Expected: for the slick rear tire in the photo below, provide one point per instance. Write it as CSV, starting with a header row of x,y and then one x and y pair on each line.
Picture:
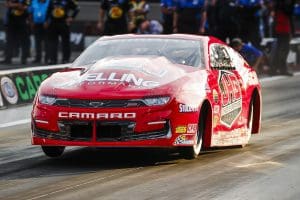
x,y
53,151
192,152
250,121
250,116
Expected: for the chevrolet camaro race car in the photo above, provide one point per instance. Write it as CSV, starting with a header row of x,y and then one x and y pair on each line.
x,y
184,91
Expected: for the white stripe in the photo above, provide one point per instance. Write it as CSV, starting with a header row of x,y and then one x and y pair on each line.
x,y
30,69
41,121
15,123
158,122
275,78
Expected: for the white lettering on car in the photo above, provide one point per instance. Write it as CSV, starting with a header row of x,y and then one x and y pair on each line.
x,y
115,77
116,115
185,108
129,115
74,115
91,116
135,80
63,115
102,116
88,115
112,77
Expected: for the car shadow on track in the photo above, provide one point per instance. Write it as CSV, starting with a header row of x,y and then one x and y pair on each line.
x,y
90,160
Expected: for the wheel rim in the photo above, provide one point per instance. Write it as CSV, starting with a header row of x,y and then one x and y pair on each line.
x,y
250,122
197,146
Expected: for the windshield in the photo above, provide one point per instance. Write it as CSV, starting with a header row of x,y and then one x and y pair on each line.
x,y
179,51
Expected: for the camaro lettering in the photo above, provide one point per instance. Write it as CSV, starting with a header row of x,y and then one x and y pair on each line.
x,y
102,116
91,116
114,77
185,108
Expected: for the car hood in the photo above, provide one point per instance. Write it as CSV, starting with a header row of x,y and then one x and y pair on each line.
x,y
115,77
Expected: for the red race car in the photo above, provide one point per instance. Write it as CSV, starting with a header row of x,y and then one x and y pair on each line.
x,y
185,91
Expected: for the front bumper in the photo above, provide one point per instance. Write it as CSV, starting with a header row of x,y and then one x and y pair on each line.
x,y
152,127
99,132
158,126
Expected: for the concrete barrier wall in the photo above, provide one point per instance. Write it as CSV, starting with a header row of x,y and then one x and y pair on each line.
x,y
19,87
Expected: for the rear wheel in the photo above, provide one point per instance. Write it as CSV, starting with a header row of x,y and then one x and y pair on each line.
x,y
53,151
192,152
250,116
250,121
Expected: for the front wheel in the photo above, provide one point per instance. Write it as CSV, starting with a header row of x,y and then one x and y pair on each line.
x,y
192,152
53,151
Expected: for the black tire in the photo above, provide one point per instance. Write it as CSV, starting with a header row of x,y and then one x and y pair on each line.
x,y
250,120
53,151
192,152
250,116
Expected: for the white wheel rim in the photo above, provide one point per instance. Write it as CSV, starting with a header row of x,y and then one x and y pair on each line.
x,y
197,146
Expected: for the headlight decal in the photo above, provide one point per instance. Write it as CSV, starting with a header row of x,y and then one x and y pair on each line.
x,y
156,101
48,100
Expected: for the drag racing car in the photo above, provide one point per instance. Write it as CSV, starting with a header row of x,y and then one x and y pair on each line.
x,y
185,91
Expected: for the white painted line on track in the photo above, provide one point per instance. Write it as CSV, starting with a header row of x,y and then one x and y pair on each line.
x,y
15,123
275,78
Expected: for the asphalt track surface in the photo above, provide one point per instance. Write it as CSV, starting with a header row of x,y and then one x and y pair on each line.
x,y
268,168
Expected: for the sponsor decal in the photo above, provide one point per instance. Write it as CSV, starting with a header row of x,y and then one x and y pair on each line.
x,y
185,108
115,12
231,97
228,138
28,85
20,88
181,129
92,116
215,96
117,78
216,109
216,120
58,12
9,90
184,139
192,128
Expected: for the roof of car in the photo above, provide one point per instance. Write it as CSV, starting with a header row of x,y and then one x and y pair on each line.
x,y
171,36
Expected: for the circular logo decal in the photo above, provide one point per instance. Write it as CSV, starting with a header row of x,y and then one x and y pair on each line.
x,y
9,90
115,12
58,12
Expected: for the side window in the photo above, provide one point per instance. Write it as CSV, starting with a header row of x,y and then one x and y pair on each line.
x,y
237,60
220,58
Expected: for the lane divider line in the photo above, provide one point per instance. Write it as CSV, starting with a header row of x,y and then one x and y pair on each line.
x,y
15,123
274,78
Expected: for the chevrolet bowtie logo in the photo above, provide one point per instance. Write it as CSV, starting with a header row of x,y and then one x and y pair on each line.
x,y
96,104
